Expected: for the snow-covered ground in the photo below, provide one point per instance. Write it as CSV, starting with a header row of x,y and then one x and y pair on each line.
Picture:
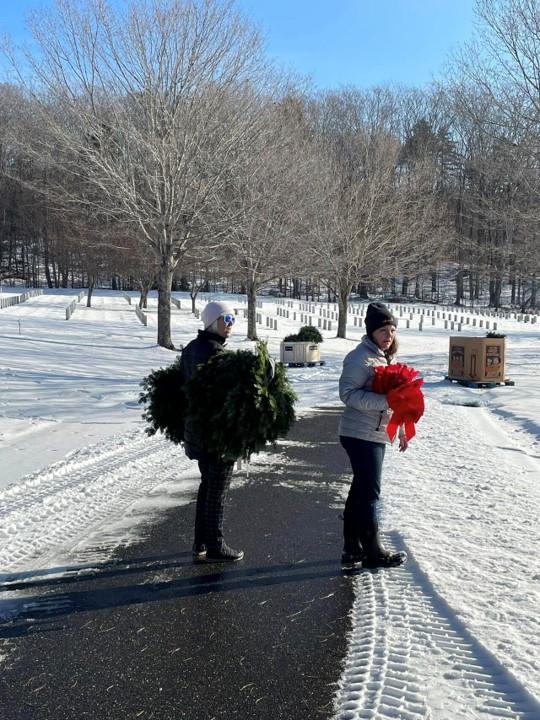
x,y
454,634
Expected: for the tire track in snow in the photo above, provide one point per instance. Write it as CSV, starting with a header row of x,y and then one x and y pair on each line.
x,y
55,509
467,499
411,658
379,680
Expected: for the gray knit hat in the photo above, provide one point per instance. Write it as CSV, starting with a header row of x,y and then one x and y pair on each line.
x,y
377,315
214,310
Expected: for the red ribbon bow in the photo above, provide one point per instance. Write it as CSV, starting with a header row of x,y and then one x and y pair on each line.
x,y
403,392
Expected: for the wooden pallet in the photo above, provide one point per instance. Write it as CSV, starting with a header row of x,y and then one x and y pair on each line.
x,y
479,384
308,364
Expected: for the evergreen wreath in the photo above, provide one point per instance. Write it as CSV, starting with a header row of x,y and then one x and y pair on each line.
x,y
236,402
239,401
165,402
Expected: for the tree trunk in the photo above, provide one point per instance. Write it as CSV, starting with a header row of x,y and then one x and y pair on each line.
x,y
495,287
91,286
343,299
193,295
55,277
459,287
513,289
46,259
534,292
143,299
164,303
251,292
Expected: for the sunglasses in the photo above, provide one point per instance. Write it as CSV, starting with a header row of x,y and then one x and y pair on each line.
x,y
228,319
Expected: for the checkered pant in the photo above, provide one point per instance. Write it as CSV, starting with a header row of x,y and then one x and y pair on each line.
x,y
215,480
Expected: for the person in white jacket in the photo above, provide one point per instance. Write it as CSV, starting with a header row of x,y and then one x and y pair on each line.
x,y
362,432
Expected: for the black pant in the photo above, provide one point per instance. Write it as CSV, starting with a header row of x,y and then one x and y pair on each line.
x,y
360,526
215,480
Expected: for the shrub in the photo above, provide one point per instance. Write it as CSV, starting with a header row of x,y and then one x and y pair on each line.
x,y
308,333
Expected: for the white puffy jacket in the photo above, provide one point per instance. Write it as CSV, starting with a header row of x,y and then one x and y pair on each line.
x,y
366,413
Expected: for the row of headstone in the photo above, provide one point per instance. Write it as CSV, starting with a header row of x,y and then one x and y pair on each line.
x,y
448,315
71,309
500,314
452,324
73,304
142,316
18,299
331,314
325,323
326,309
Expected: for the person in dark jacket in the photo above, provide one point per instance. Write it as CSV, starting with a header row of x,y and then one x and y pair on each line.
x,y
209,544
363,435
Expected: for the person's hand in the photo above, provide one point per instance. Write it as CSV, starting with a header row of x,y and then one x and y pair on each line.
x,y
403,443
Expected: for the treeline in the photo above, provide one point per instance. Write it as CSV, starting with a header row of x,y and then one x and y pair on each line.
x,y
155,146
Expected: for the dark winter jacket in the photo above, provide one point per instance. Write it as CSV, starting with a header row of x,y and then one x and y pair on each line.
x,y
196,353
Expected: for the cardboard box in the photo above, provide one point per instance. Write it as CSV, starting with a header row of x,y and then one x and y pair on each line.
x,y
480,359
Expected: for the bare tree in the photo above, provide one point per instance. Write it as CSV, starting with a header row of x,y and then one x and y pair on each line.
x,y
503,68
496,214
506,60
265,201
353,230
140,110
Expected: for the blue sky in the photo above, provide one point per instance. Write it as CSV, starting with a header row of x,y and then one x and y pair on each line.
x,y
343,42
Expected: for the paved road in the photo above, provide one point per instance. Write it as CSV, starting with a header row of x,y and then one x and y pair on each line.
x,y
151,635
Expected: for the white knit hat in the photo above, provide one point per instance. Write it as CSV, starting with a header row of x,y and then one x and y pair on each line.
x,y
213,310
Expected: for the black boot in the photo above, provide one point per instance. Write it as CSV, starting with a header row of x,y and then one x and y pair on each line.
x,y
353,551
385,560
351,558
375,553
222,553
198,551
